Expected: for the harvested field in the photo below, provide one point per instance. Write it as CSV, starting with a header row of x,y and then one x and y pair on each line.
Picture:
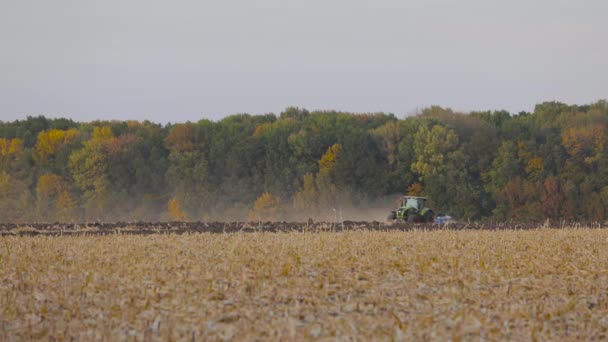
x,y
547,284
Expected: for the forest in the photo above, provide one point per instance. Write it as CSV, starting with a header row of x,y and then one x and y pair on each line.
x,y
551,163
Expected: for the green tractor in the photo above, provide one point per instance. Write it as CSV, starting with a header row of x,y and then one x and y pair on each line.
x,y
413,209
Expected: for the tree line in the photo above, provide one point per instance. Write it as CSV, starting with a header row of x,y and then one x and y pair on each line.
x,y
551,163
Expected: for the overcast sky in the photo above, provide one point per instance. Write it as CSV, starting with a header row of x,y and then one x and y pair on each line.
x,y
186,60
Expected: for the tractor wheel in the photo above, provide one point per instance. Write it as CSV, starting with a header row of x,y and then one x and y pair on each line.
x,y
392,216
429,216
412,218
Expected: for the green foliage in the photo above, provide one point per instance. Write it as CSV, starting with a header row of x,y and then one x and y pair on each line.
x,y
551,163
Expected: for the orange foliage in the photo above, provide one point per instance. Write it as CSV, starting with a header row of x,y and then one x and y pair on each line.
x,y
183,137
521,198
552,198
261,129
175,210
119,144
415,189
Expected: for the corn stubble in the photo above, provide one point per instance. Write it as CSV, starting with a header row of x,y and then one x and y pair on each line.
x,y
540,284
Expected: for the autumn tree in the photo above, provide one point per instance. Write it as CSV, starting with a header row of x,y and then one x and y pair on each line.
x,y
49,142
53,199
14,199
279,168
188,168
434,148
306,201
585,144
431,147
533,164
494,165
89,169
266,208
552,197
328,190
519,201
175,210
10,147
10,150
388,137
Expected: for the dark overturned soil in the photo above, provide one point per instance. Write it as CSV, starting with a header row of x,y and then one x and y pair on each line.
x,y
146,228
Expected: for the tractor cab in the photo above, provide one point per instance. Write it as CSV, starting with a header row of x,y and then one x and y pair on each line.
x,y
417,203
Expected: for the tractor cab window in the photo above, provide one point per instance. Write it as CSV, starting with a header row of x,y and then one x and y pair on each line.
x,y
413,203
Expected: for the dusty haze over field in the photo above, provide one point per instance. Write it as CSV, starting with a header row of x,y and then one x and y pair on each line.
x,y
185,60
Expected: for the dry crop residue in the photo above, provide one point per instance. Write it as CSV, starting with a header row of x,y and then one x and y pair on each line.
x,y
546,284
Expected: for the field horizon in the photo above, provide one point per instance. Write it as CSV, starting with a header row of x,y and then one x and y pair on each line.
x,y
221,227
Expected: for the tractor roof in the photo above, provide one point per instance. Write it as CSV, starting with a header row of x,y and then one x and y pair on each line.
x,y
414,197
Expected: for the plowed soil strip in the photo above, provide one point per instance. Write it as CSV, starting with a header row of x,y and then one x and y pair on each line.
x,y
148,228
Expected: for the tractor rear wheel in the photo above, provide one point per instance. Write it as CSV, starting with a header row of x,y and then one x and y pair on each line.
x,y
429,216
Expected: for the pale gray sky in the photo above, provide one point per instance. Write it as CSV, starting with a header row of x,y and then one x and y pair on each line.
x,y
177,60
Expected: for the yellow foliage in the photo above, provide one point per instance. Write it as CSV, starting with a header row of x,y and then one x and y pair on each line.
x,y
265,208
327,189
102,133
175,210
49,142
133,124
9,147
431,147
328,160
16,146
584,143
47,184
523,150
534,165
